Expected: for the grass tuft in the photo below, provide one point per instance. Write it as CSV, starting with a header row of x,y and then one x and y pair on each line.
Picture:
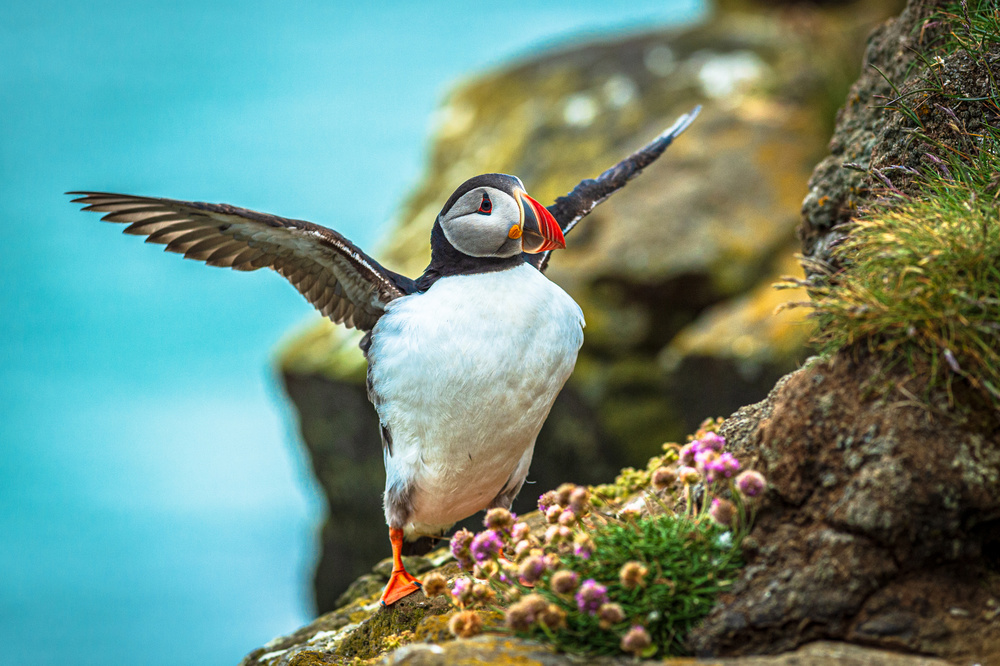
x,y
689,563
921,265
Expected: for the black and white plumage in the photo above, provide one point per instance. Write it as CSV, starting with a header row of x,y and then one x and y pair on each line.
x,y
464,362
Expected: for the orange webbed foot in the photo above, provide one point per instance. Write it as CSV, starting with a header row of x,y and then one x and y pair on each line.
x,y
401,584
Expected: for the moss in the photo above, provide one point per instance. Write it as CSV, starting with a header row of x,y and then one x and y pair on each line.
x,y
312,658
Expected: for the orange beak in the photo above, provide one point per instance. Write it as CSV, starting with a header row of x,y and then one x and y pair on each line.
x,y
539,230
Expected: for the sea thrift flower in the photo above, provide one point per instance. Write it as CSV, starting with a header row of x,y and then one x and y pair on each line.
x,y
535,604
564,492
466,624
520,532
461,591
720,466
583,546
579,500
723,512
522,549
486,570
632,575
435,584
557,534
486,545
609,615
564,582
751,483
636,641
532,569
460,543
704,458
483,594
553,617
553,514
688,475
567,518
663,478
591,595
687,454
499,519
518,618
712,442
547,500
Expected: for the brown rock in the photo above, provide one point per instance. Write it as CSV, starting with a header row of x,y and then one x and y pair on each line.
x,y
881,525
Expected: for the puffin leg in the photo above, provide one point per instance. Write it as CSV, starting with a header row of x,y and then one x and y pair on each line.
x,y
401,583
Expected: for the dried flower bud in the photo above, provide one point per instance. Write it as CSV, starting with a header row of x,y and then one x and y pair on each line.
x,y
688,475
636,641
751,483
435,585
483,594
687,454
633,575
564,492
583,545
564,582
610,615
553,514
535,604
518,618
723,512
567,518
579,500
486,570
520,532
591,596
553,617
663,478
532,569
466,624
547,500
499,519
521,550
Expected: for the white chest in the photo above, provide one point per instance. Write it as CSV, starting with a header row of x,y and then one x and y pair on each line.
x,y
465,375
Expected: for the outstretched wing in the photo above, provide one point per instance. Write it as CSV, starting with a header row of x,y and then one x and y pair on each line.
x,y
340,280
573,207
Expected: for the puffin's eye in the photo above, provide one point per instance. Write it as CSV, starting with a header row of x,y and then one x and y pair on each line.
x,y
486,207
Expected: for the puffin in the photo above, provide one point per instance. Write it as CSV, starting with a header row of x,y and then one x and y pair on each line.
x,y
464,362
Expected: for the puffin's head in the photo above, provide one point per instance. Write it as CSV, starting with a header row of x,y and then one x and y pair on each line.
x,y
492,216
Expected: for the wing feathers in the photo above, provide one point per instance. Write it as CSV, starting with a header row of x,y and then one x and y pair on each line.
x,y
570,209
335,276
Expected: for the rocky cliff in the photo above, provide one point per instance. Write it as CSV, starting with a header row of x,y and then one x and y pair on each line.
x,y
674,273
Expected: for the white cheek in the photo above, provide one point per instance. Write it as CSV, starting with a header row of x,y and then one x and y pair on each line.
x,y
476,235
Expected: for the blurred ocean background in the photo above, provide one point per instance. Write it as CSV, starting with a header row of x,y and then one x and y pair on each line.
x,y
155,507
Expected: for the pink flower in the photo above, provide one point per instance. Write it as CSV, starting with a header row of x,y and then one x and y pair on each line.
x,y
712,442
460,548
486,545
591,596
751,483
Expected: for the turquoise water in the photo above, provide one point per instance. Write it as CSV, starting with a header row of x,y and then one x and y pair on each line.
x,y
154,505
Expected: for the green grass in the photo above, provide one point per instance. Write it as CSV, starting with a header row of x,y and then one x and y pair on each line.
x,y
688,567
